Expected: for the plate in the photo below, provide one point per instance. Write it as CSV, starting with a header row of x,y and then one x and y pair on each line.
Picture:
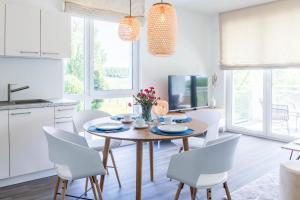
x,y
109,126
140,127
172,128
177,117
127,122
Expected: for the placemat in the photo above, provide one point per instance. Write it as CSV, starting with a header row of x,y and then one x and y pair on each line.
x,y
155,130
94,129
186,120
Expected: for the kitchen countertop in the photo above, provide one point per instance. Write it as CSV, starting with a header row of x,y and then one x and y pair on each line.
x,y
47,103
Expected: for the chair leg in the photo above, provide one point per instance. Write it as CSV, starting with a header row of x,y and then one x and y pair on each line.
x,y
180,150
180,186
98,188
86,186
93,187
225,185
208,192
194,194
64,189
56,188
115,167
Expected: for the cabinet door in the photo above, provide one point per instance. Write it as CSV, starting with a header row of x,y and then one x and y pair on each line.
x,y
22,33
65,124
55,34
4,145
28,145
2,17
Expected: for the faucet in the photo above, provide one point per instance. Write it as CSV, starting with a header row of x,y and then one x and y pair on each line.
x,y
10,90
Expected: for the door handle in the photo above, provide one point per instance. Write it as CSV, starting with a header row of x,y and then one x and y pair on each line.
x,y
31,52
65,109
50,53
23,113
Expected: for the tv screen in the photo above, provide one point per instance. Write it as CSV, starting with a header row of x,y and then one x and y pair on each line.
x,y
186,92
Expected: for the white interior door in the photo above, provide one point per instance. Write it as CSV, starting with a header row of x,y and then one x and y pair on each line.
x,y
55,34
22,31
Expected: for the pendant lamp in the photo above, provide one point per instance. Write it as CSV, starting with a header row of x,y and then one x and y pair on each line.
x,y
162,26
129,28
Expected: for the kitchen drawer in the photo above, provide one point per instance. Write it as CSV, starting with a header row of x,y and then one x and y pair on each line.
x,y
65,124
64,111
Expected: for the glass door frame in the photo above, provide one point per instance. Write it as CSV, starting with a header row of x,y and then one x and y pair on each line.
x,y
267,109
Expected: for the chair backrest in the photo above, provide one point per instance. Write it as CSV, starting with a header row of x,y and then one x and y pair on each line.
x,y
211,118
71,150
80,118
212,159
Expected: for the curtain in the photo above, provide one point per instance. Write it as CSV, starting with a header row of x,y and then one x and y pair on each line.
x,y
111,10
264,36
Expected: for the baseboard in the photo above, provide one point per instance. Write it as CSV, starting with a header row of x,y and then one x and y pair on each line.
x,y
27,177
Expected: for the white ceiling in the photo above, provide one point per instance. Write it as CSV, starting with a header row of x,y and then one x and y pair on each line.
x,y
216,6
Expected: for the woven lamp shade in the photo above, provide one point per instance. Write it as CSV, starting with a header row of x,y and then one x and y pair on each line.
x,y
162,26
129,29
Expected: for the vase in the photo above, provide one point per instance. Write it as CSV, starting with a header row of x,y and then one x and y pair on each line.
x,y
213,102
146,112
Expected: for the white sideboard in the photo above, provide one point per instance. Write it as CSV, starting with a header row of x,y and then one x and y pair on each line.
x,y
4,145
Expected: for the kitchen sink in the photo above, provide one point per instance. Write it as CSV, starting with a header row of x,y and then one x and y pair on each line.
x,y
20,102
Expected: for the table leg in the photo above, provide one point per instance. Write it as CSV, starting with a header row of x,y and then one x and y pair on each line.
x,y
151,161
186,147
105,157
139,165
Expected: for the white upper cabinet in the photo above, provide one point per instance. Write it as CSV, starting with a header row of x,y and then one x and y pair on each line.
x,y
4,145
55,34
22,31
2,18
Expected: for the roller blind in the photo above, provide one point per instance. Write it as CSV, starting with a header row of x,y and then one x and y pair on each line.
x,y
111,10
264,36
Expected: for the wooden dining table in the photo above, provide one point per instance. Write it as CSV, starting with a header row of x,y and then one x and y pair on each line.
x,y
141,136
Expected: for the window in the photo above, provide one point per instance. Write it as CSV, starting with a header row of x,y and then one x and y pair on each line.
x,y
264,102
102,72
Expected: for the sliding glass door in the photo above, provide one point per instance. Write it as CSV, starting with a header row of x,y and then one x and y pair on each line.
x,y
264,102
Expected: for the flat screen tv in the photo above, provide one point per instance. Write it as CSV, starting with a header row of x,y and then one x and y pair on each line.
x,y
187,92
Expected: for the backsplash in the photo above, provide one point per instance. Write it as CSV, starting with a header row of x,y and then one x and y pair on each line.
x,y
44,76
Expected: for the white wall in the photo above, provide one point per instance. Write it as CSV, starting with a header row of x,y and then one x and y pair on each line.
x,y
195,53
45,77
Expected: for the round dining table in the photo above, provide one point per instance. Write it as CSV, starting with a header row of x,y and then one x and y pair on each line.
x,y
141,136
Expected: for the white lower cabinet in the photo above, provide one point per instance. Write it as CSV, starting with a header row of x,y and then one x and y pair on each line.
x,y
28,145
65,124
4,145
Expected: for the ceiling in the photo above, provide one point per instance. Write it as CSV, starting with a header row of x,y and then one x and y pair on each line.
x,y
216,6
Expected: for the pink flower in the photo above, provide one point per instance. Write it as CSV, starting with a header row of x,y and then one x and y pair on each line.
x,y
152,88
129,104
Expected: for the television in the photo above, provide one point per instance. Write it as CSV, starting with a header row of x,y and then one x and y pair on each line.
x,y
187,92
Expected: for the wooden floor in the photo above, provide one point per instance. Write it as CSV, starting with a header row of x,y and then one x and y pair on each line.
x,y
255,157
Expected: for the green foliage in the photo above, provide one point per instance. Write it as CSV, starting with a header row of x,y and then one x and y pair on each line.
x,y
116,72
73,85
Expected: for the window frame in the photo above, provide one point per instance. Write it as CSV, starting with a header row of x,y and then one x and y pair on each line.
x,y
267,109
89,94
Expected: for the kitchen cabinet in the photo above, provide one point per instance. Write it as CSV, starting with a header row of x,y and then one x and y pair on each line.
x,y
22,32
55,34
2,18
63,117
28,145
4,145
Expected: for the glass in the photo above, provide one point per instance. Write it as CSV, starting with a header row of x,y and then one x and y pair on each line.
x,y
247,99
113,106
74,70
285,101
112,58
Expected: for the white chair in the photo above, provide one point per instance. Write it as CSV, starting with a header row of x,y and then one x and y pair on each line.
x,y
205,167
212,119
79,119
73,160
290,180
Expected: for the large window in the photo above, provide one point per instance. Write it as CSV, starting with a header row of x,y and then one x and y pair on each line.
x,y
265,102
102,72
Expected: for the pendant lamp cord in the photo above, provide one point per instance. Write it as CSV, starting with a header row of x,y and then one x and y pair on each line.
x,y
130,8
